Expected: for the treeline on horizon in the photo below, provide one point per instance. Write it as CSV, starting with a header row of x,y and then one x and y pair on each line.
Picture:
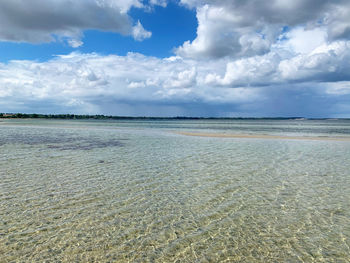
x,y
110,117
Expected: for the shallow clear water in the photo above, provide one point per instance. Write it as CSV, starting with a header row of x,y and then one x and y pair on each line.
x,y
119,191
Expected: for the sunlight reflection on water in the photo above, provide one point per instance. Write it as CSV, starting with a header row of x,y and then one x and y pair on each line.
x,y
125,191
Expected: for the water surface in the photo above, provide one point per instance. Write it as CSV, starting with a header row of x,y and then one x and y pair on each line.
x,y
135,191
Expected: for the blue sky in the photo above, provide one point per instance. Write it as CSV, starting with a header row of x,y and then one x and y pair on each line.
x,y
171,58
177,25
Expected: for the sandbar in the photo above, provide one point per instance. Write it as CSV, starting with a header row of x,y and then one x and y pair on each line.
x,y
264,136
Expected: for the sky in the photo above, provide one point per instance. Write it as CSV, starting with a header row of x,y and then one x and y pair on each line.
x,y
206,58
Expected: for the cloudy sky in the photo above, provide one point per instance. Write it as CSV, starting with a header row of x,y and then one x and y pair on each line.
x,y
176,57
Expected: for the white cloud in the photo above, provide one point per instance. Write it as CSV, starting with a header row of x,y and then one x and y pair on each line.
x,y
82,80
38,21
339,88
247,57
139,33
183,79
75,43
86,82
162,3
136,85
325,63
222,32
238,29
303,40
254,71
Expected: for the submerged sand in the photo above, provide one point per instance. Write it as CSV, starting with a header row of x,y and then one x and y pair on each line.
x,y
263,136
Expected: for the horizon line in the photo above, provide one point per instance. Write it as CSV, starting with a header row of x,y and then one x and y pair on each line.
x,y
102,116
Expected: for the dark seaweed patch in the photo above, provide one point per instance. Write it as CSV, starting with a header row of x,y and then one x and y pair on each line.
x,y
87,145
32,139
60,141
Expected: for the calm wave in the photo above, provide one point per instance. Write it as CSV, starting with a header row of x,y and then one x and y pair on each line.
x,y
136,191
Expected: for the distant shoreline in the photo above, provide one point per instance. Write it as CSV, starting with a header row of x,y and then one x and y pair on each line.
x,y
110,117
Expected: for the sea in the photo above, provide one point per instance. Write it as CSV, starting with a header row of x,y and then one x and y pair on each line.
x,y
146,190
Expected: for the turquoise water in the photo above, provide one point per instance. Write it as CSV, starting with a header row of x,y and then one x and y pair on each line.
x,y
136,191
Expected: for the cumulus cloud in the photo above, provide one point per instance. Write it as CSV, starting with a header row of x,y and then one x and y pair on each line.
x,y
219,35
85,81
326,63
339,88
38,21
162,3
139,33
302,40
248,28
108,84
248,58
